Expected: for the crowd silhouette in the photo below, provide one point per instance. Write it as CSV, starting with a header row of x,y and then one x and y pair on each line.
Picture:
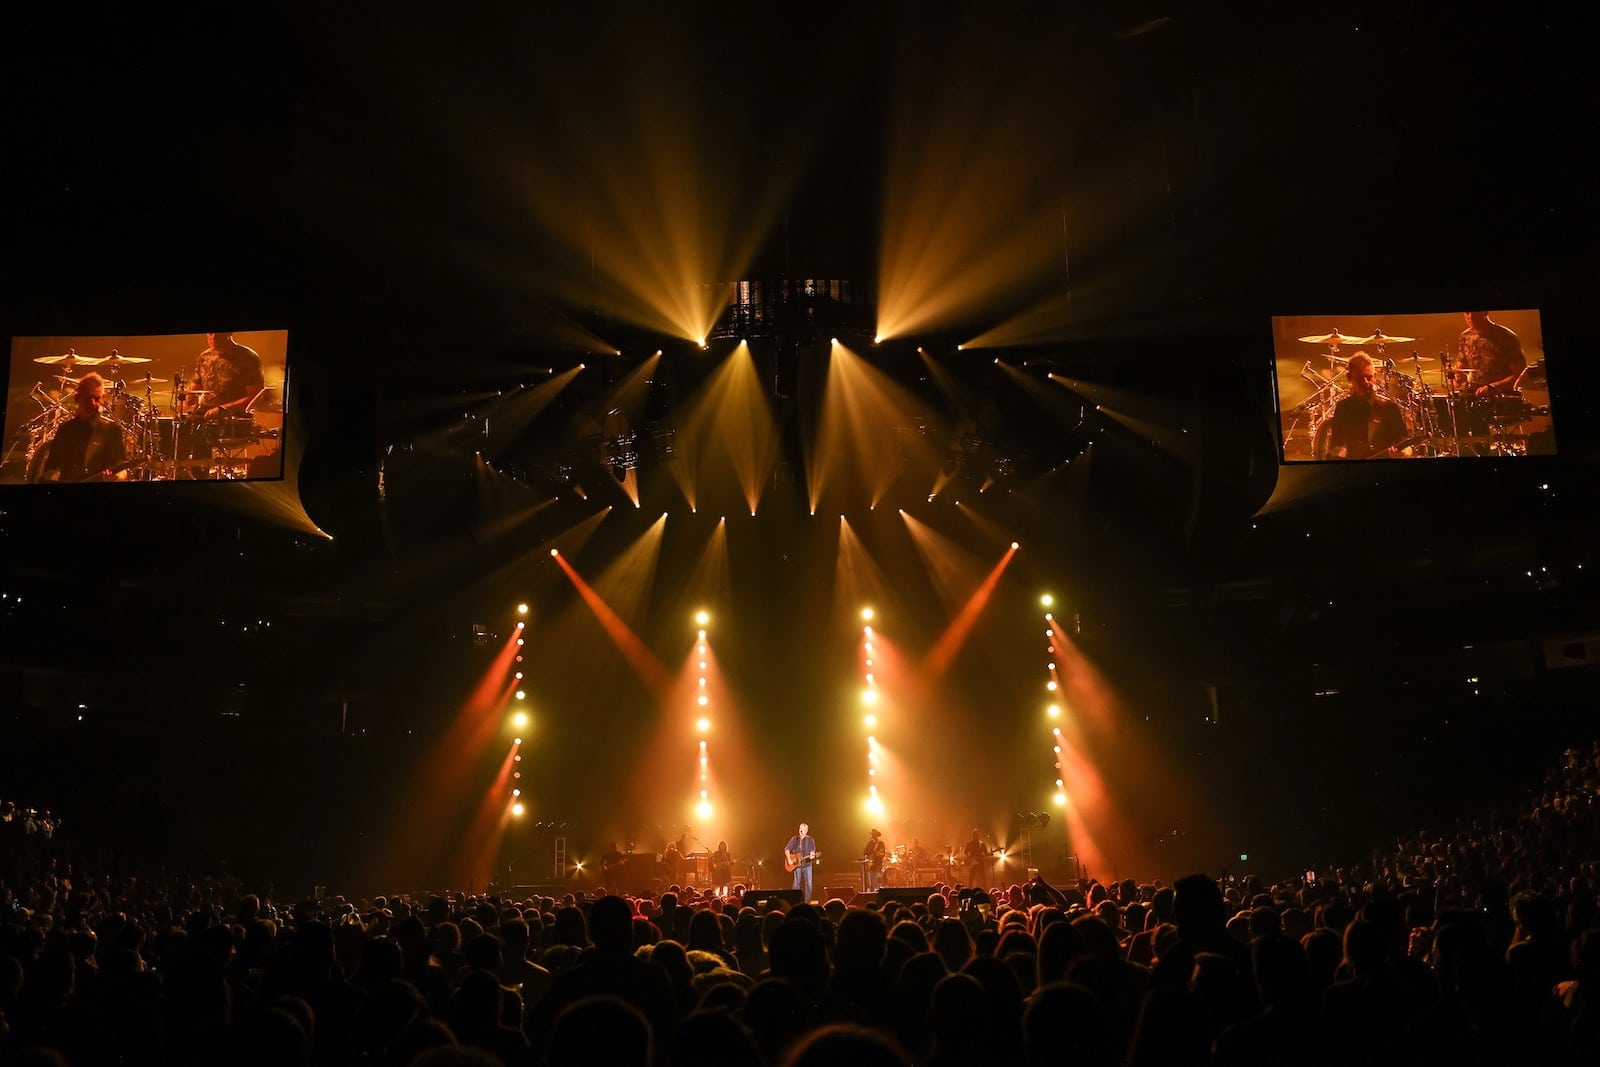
x,y
1476,945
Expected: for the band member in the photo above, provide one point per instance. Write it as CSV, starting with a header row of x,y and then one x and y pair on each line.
x,y
721,868
1364,424
976,854
86,446
672,858
1493,351
610,865
872,854
227,378
798,855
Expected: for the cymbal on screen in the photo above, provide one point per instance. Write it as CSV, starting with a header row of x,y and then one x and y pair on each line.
x,y
70,357
1334,338
1378,337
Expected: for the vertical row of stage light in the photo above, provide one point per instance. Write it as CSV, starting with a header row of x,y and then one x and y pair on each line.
x,y
1053,709
519,721
869,717
702,806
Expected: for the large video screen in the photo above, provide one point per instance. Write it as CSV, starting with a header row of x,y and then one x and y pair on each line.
x,y
1446,385
150,408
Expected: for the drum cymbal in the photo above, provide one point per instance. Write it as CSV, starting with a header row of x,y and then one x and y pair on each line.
x,y
1380,338
146,380
118,357
70,357
1334,338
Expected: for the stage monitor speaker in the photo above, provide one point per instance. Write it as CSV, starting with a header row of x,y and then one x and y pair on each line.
x,y
906,894
755,898
845,893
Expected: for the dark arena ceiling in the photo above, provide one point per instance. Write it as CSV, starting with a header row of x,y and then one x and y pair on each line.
x,y
767,310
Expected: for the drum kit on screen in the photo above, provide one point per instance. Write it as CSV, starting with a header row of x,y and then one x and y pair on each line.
x,y
1444,415
163,433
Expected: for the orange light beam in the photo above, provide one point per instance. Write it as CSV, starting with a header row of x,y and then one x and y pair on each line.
x,y
944,650
462,743
458,750
650,670
488,693
482,838
1080,685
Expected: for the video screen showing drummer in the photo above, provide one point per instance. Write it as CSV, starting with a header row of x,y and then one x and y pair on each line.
x,y
186,407
1425,386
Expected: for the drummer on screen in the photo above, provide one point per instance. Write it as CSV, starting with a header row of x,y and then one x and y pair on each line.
x,y
227,379
1492,352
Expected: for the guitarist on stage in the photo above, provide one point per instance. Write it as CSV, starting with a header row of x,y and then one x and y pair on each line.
x,y
872,857
798,856
86,447
977,854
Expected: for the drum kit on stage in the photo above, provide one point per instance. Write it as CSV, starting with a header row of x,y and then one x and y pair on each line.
x,y
1444,416
909,866
162,430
